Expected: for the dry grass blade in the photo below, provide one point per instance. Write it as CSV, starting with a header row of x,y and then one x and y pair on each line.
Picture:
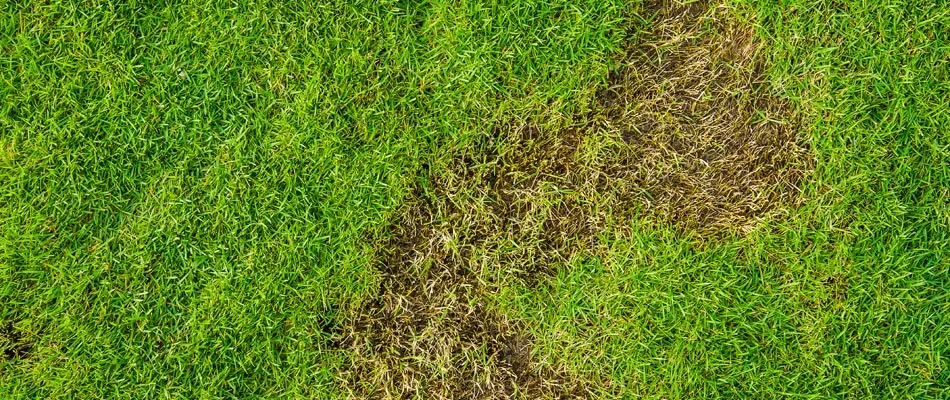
x,y
427,330
707,146
686,132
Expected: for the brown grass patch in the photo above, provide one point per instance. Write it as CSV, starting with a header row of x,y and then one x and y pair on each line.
x,y
428,331
708,148
685,134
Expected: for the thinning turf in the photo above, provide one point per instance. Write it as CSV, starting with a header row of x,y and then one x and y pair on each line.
x,y
848,297
188,189
186,185
685,134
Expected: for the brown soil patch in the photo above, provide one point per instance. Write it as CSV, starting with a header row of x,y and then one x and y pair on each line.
x,y
685,134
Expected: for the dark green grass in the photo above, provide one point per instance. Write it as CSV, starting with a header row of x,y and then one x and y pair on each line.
x,y
186,190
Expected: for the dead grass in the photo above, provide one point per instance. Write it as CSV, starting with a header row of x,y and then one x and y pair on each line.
x,y
707,147
686,134
428,331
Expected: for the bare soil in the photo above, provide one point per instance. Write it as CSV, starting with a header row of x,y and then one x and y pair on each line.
x,y
13,344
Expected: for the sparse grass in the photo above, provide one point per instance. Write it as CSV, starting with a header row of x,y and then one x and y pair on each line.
x,y
205,200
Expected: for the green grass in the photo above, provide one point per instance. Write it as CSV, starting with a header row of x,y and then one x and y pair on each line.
x,y
849,297
186,186
187,190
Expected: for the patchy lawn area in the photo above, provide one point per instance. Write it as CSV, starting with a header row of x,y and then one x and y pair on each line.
x,y
453,200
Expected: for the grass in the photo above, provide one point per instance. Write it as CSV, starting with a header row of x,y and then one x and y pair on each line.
x,y
197,200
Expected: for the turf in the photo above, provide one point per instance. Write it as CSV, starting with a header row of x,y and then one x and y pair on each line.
x,y
197,200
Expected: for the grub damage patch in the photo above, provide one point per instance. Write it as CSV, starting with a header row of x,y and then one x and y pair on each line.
x,y
429,332
686,133
707,146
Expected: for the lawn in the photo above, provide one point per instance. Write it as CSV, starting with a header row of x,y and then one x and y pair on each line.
x,y
452,199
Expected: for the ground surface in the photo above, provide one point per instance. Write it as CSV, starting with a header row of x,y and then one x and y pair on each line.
x,y
525,199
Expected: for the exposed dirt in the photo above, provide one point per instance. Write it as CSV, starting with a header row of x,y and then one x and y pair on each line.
x,y
685,134
13,345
